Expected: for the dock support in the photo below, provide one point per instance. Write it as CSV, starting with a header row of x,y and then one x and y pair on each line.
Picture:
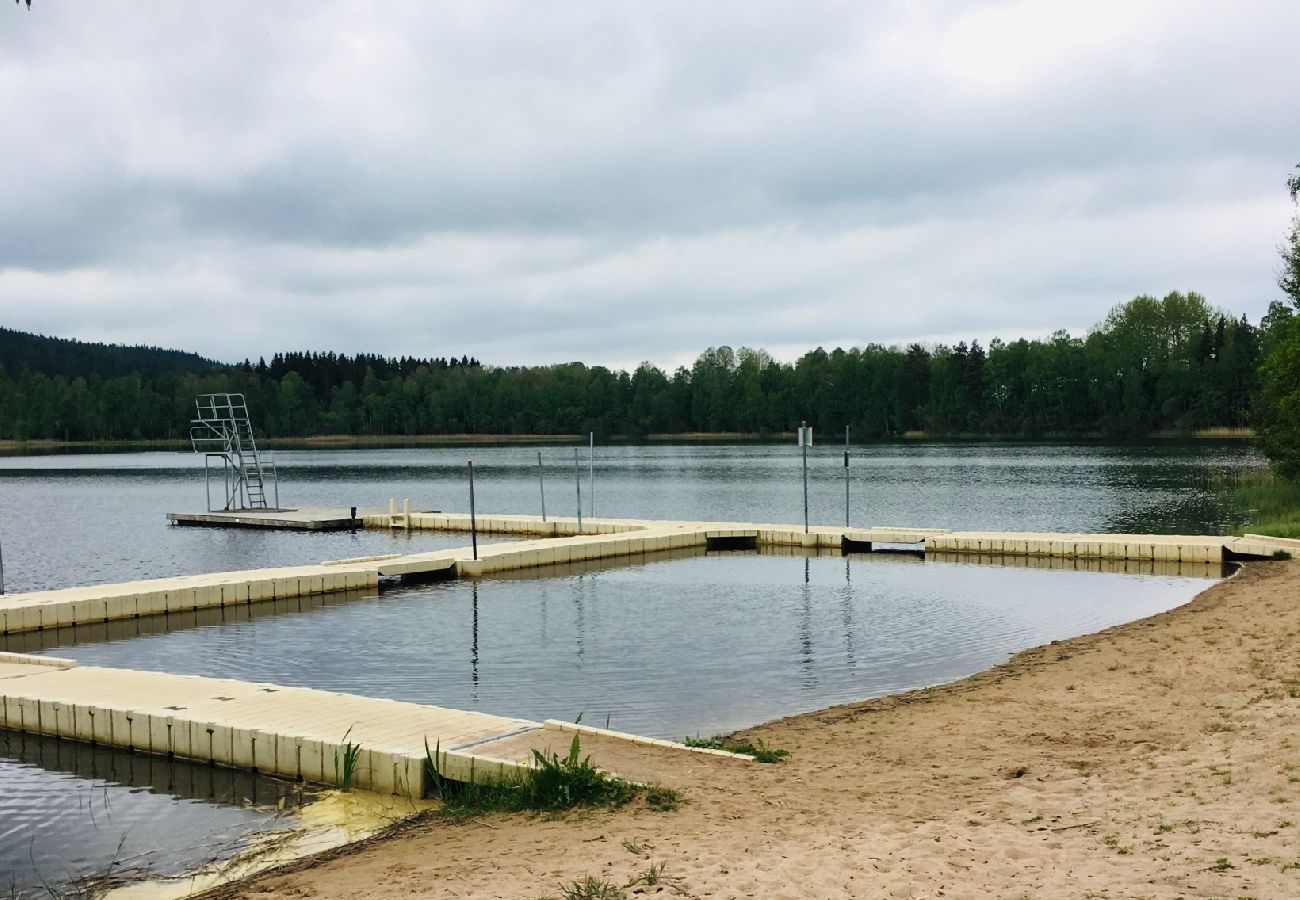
x,y
846,476
591,472
541,484
577,480
473,517
2,569
803,445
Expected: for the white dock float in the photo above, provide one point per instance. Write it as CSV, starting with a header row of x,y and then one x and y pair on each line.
x,y
294,732
559,541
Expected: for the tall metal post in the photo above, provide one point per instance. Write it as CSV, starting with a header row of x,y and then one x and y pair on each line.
x,y
275,474
591,472
2,569
541,484
846,476
473,520
577,480
803,443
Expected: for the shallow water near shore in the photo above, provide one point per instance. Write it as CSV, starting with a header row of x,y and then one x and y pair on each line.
x,y
70,811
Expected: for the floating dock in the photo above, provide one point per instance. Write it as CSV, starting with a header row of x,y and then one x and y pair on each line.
x,y
307,518
559,541
296,732
306,733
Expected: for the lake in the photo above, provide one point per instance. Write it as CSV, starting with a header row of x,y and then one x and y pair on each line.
x,y
686,643
73,519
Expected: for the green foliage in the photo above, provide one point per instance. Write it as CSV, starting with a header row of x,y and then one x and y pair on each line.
x,y
554,783
760,751
592,888
345,767
1273,502
1279,402
1153,364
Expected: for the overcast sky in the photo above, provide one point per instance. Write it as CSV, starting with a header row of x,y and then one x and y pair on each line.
x,y
615,182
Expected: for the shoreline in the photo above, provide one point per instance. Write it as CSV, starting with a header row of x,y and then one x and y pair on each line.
x,y
349,441
1154,758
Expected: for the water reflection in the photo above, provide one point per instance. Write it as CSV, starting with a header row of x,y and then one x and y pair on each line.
x,y
665,644
71,810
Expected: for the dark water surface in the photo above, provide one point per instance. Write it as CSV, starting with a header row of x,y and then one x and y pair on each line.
x,y
671,647
70,811
73,519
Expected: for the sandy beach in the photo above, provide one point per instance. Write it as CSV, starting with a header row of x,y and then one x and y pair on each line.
x,y
1156,759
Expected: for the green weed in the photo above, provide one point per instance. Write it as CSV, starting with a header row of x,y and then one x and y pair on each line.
x,y
553,783
1273,503
760,751
345,769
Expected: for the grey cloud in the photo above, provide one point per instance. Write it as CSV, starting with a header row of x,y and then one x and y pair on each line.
x,y
622,181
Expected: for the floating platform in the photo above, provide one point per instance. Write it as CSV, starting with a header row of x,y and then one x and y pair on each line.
x,y
301,733
559,541
306,518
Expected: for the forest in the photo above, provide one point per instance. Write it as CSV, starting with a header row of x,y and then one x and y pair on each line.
x,y
1174,363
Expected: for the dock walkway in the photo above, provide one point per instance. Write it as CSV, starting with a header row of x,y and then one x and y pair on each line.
x,y
297,732
559,541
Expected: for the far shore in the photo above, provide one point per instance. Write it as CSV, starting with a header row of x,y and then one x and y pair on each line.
x,y
321,441
1155,759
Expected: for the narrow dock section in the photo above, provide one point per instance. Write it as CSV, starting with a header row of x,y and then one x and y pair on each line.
x,y
307,518
561,541
317,736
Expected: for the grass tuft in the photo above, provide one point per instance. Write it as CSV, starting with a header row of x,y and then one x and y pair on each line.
x,y
760,751
345,768
1273,503
554,783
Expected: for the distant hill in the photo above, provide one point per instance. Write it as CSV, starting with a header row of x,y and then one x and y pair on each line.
x,y
54,356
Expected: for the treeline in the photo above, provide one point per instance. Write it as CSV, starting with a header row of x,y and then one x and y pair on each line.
x,y
1174,363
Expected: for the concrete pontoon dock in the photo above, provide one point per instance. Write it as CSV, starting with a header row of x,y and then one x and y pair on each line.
x,y
558,541
297,732
306,518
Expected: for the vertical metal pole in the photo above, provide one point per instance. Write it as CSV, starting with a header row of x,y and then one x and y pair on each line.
x,y
473,519
577,480
803,443
541,484
846,476
2,569
275,476
591,472
207,481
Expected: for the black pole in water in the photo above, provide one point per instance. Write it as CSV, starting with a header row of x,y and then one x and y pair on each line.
x,y
846,476
541,485
473,520
577,480
2,570
352,518
803,443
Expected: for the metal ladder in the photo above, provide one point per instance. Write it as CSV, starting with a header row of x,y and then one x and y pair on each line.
x,y
223,431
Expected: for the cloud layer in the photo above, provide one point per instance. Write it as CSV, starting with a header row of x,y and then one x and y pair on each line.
x,y
612,182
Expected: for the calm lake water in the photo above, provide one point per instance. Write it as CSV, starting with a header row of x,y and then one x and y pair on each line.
x,y
680,645
71,811
73,519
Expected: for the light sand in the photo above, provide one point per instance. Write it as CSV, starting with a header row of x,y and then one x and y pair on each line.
x,y
1156,759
